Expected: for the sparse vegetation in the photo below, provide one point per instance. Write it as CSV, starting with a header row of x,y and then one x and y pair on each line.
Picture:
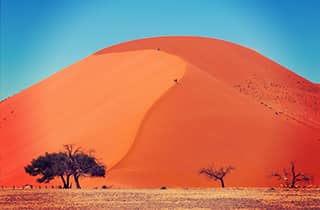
x,y
217,174
290,178
50,166
83,164
72,162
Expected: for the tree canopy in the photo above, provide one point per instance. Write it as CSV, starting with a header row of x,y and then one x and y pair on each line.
x,y
71,162
83,164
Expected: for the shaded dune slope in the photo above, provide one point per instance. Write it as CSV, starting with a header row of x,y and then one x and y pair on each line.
x,y
231,105
203,121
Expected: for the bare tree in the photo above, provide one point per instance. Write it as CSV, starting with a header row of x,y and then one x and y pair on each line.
x,y
217,174
83,164
290,177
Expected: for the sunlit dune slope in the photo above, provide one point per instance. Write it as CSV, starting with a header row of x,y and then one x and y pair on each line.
x,y
228,105
97,103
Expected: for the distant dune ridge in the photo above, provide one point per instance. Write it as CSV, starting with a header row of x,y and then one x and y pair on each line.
x,y
156,110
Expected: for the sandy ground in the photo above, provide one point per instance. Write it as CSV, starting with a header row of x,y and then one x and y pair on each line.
x,y
229,198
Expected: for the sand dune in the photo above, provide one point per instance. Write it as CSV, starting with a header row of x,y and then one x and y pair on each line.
x,y
242,68
97,103
226,128
230,105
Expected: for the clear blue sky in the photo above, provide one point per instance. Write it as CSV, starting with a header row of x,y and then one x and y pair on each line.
x,y
40,37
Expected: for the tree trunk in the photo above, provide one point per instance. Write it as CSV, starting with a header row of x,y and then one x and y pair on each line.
x,y
76,180
293,182
222,183
68,181
64,182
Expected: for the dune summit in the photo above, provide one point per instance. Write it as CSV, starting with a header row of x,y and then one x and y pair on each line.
x,y
156,110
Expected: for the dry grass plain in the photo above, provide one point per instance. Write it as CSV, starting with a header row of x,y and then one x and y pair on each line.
x,y
229,198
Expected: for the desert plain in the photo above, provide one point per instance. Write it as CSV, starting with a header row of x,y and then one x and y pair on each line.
x,y
216,198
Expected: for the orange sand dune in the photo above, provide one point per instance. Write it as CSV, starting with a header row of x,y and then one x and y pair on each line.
x,y
230,106
246,70
97,103
226,128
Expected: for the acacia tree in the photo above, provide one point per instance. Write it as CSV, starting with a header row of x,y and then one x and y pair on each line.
x,y
71,162
290,178
217,174
49,166
83,164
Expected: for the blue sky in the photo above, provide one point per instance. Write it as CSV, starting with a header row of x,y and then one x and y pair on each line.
x,y
40,37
